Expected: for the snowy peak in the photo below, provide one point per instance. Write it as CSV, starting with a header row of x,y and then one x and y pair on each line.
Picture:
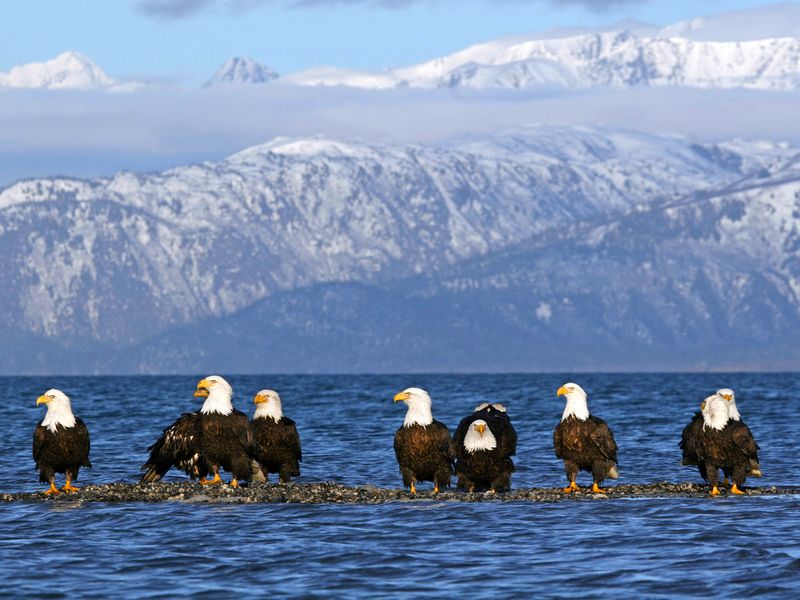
x,y
639,56
242,71
69,70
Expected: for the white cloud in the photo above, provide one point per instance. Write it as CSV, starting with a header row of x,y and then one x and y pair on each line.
x,y
87,133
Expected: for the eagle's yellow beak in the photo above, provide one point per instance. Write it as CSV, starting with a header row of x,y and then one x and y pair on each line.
x,y
727,397
259,399
202,388
42,400
480,428
562,391
402,396
702,405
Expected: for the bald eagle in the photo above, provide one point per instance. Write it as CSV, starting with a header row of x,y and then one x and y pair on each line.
x,y
60,442
692,432
483,444
583,441
723,443
276,443
200,443
422,445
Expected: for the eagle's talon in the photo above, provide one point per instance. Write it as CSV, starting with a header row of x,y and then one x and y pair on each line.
x,y
735,490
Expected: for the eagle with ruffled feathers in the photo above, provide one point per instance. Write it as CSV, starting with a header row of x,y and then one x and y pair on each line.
x,y
202,443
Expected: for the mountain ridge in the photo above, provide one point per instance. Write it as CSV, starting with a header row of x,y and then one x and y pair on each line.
x,y
460,240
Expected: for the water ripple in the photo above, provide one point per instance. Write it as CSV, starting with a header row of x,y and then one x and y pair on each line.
x,y
678,547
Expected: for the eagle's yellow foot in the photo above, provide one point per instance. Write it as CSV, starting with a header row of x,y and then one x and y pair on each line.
x,y
53,490
234,483
216,481
572,487
413,488
436,488
203,481
69,488
597,489
714,491
735,490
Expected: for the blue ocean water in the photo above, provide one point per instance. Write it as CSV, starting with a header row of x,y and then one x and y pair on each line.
x,y
653,547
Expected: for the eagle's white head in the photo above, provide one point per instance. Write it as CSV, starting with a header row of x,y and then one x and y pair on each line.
x,y
218,394
268,405
715,412
59,410
479,437
730,397
577,405
419,406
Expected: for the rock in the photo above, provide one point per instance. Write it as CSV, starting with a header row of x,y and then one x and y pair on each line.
x,y
334,493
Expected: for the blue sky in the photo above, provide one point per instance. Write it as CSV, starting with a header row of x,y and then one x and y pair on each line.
x,y
189,39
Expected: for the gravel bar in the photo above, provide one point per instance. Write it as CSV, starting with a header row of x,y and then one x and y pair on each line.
x,y
334,493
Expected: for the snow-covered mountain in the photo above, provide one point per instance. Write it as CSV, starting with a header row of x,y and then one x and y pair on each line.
x,y
615,59
104,272
242,71
757,48
69,70
710,281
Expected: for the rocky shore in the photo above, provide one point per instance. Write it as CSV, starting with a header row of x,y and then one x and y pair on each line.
x,y
334,493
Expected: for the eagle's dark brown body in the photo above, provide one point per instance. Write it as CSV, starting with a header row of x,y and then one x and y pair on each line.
x,y
424,453
227,442
486,469
586,446
276,447
731,449
178,446
64,451
198,443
